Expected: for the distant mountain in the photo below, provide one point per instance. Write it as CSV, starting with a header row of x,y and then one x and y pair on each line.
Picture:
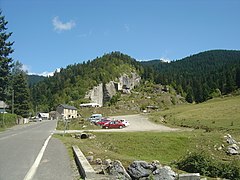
x,y
200,76
34,79
197,78
71,84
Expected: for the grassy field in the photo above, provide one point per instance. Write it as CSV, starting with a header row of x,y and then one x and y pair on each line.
x,y
166,147
215,114
210,121
77,124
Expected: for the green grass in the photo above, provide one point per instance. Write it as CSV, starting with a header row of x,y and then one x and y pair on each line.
x,y
215,114
77,124
166,147
212,120
9,121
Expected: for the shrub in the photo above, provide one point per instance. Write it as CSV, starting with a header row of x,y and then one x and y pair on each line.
x,y
205,165
9,120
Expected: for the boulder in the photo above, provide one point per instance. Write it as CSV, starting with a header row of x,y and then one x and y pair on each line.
x,y
164,173
233,149
98,161
89,158
230,139
139,169
107,162
117,170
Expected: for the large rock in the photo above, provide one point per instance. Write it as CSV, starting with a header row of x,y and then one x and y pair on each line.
x,y
96,94
164,173
109,91
139,169
233,149
230,139
117,170
104,92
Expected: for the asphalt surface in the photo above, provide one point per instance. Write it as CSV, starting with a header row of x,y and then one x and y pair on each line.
x,y
20,147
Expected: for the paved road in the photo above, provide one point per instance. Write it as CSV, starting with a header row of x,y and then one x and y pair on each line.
x,y
20,147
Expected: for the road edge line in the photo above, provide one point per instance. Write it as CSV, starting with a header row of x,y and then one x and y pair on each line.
x,y
36,163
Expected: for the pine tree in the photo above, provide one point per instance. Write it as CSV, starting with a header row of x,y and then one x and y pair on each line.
x,y
21,91
5,60
189,97
238,77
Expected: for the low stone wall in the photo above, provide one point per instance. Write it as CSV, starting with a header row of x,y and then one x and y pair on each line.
x,y
137,170
85,169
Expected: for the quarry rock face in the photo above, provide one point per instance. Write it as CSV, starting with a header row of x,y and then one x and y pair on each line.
x,y
96,94
104,92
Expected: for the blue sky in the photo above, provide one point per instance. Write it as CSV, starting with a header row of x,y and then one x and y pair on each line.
x,y
51,34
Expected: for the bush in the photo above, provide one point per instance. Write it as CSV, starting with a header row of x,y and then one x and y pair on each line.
x,y
205,165
9,120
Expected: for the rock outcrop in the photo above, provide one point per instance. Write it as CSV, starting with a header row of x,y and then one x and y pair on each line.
x,y
96,94
104,92
117,170
143,170
233,148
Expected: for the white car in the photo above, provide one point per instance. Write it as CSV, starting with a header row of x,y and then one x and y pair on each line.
x,y
126,123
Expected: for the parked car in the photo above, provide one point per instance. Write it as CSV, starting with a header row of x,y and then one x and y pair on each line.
x,y
102,122
95,118
113,124
126,123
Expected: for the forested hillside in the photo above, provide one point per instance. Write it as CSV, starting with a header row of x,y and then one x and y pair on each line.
x,y
198,77
71,84
34,79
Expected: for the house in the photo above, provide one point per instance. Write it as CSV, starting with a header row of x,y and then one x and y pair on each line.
x,y
43,116
3,107
67,112
54,115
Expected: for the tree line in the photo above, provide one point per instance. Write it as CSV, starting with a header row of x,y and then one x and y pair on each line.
x,y
14,88
71,84
198,77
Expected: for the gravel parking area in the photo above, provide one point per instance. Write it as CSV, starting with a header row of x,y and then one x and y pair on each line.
x,y
139,122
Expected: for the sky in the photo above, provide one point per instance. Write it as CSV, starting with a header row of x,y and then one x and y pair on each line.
x,y
51,34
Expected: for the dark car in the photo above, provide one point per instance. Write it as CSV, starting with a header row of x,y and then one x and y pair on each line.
x,y
113,124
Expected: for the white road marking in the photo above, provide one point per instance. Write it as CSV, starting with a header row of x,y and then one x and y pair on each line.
x,y
36,163
8,136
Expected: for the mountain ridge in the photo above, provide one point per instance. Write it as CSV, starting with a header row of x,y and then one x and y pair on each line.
x,y
197,77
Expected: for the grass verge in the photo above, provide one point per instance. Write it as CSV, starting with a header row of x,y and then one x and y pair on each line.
x,y
167,147
215,114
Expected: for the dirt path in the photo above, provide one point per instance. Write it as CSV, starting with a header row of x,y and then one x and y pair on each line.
x,y
139,122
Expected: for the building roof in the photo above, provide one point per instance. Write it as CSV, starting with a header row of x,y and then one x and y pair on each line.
x,y
89,105
3,105
44,115
65,106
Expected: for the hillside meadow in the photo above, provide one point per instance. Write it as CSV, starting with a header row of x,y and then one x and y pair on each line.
x,y
216,114
209,122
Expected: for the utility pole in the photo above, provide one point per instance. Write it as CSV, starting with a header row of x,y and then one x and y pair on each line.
x,y
12,101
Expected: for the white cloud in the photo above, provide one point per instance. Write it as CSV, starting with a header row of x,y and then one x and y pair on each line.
x,y
45,73
165,59
126,27
85,34
60,26
25,68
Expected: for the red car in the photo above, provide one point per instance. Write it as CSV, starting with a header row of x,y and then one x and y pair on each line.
x,y
113,124
102,122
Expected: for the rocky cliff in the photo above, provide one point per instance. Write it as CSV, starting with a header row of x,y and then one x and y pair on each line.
x,y
104,92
